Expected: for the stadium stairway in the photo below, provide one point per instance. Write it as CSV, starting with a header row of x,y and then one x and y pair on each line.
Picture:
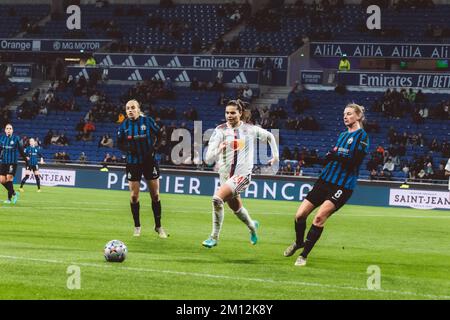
x,y
269,96
36,84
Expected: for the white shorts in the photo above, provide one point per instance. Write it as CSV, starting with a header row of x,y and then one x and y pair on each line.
x,y
236,183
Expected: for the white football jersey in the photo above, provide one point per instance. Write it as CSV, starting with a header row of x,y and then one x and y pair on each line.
x,y
238,156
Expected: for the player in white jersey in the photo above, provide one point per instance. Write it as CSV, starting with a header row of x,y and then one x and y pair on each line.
x,y
232,147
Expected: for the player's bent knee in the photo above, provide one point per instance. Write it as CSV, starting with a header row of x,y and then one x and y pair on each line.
x,y
319,220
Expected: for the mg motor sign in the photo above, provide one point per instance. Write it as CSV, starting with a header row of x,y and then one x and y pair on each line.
x,y
419,199
72,45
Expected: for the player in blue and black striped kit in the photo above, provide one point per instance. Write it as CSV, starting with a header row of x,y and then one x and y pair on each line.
x,y
139,136
335,184
10,146
33,153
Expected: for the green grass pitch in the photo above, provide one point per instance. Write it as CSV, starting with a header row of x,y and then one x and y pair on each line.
x,y
45,233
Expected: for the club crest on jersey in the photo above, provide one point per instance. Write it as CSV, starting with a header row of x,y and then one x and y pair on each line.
x,y
350,140
12,142
143,127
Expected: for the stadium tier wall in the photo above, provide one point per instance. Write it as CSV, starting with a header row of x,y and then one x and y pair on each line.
x,y
175,1
420,196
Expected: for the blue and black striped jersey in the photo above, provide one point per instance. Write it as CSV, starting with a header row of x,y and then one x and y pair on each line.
x,y
34,153
10,148
349,147
138,138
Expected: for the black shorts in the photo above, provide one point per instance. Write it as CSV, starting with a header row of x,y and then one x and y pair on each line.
x,y
327,191
150,171
32,168
8,169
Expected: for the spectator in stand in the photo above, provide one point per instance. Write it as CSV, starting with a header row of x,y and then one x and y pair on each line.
x,y
286,154
236,16
287,170
421,175
106,160
411,96
423,112
434,146
62,140
344,63
405,170
373,174
88,127
429,172
82,158
247,94
106,141
298,170
389,165
90,62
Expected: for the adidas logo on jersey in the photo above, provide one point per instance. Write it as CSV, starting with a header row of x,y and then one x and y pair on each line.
x,y
135,76
240,78
183,77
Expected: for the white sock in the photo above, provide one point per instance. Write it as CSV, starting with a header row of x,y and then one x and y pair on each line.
x,y
243,215
217,217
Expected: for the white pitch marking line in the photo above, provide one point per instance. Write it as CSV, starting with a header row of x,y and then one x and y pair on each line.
x,y
205,275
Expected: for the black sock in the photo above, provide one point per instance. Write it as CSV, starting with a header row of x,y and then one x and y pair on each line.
x,y
311,239
6,186
135,212
300,226
156,206
24,180
38,181
10,188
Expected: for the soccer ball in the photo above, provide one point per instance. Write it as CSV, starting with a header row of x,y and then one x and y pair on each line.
x,y
115,251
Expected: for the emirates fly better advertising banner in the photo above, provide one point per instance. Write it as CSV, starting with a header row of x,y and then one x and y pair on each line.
x,y
395,79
